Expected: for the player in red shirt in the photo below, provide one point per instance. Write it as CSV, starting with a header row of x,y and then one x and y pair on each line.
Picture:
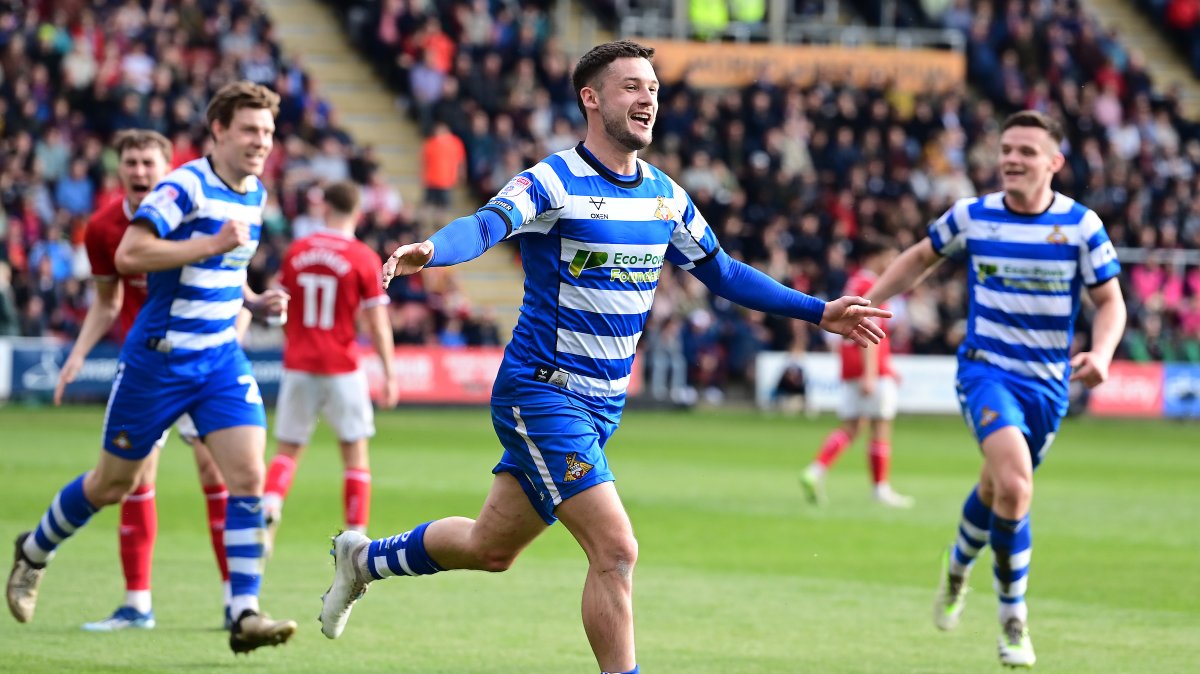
x,y
868,392
330,277
144,157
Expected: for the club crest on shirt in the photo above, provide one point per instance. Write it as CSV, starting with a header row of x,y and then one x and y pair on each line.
x,y
515,186
663,212
122,441
1057,236
987,416
161,198
576,469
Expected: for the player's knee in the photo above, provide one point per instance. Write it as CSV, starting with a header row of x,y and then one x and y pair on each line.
x,y
110,490
1013,488
496,560
618,557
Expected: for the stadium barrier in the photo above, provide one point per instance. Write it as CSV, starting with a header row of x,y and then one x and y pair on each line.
x,y
926,383
29,370
926,386
737,65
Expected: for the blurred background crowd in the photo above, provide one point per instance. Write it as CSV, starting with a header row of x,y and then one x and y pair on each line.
x,y
793,178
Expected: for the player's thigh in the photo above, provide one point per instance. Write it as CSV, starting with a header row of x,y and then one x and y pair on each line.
x,y
238,453
850,404
508,522
1042,418
883,401
148,474
598,521
141,407
297,406
228,397
347,406
553,448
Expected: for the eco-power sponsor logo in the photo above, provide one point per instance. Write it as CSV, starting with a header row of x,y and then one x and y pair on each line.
x,y
1023,276
587,259
620,261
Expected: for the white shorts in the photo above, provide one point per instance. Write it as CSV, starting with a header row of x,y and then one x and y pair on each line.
x,y
187,432
343,399
879,405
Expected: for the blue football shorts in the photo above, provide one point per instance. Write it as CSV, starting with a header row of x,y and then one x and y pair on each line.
x,y
144,402
992,399
554,446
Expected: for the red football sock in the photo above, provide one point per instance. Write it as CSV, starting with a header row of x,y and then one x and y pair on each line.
x,y
881,460
279,475
216,497
357,497
835,443
138,530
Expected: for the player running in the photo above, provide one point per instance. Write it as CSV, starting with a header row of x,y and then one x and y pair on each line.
x,y
143,158
331,277
868,394
1030,252
595,226
194,235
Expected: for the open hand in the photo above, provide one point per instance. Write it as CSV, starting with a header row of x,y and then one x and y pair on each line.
x,y
66,375
408,259
851,317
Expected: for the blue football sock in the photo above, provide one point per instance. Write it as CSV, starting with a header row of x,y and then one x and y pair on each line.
x,y
69,510
972,533
402,555
635,670
1012,546
245,531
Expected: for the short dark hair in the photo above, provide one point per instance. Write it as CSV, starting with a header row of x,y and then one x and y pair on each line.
x,y
140,139
342,196
1037,120
597,61
878,245
237,95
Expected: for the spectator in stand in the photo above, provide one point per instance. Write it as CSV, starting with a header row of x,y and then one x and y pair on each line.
x,y
443,160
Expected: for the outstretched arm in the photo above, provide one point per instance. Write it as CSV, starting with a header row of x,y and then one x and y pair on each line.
x,y
909,269
462,240
1091,367
100,318
740,283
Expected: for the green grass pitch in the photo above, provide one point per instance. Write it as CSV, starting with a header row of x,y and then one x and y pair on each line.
x,y
736,573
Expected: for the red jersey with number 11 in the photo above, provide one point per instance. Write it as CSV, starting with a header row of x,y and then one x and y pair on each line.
x,y
330,277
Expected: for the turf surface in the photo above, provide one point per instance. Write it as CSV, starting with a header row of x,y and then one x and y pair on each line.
x,y
736,572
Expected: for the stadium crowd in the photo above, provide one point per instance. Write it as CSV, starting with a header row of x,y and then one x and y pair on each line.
x,y
75,73
792,177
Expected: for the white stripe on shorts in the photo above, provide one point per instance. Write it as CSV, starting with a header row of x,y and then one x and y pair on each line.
x,y
538,460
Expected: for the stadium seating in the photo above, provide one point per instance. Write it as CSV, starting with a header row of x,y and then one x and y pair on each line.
x,y
72,82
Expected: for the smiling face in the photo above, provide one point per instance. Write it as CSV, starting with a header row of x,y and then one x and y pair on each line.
x,y
243,146
625,96
1029,158
139,169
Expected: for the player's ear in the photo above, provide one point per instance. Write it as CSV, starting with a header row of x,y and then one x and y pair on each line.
x,y
591,98
1057,160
